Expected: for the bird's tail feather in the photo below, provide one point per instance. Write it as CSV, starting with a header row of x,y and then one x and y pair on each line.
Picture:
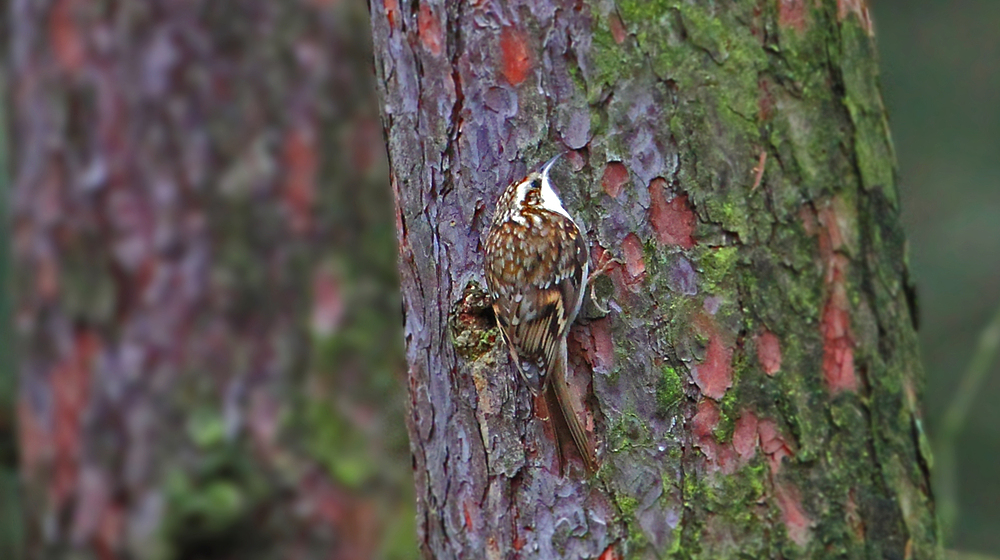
x,y
567,409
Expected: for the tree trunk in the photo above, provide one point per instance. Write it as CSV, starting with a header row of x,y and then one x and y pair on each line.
x,y
202,238
755,388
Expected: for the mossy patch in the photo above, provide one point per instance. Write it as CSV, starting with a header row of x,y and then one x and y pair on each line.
x,y
670,391
717,264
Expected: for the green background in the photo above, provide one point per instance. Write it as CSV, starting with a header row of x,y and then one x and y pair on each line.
x,y
940,63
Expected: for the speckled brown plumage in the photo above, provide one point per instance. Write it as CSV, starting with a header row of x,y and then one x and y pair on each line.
x,y
536,272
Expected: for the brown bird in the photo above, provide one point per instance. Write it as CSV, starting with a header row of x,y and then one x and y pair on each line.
x,y
537,265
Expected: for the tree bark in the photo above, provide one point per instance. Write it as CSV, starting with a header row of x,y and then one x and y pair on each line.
x,y
202,240
755,388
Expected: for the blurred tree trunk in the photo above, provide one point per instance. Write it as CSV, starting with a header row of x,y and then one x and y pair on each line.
x,y
755,388
203,247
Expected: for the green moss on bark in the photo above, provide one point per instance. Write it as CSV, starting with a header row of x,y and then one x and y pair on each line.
x,y
812,114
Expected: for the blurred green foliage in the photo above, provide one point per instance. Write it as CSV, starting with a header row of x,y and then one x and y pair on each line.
x,y
940,69
215,504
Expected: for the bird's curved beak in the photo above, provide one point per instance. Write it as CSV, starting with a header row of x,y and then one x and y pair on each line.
x,y
548,165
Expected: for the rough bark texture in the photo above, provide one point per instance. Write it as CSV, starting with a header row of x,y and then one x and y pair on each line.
x,y
207,367
755,388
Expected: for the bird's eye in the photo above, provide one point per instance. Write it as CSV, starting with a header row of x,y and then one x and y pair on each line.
x,y
536,184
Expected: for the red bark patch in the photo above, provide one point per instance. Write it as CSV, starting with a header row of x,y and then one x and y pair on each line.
x,y
626,285
609,554
792,13
745,436
635,263
614,179
429,29
604,348
595,344
858,8
706,419
301,165
519,542
838,344
773,444
579,370
391,12
715,374
672,220
769,352
65,36
617,28
826,225
796,521
466,507
721,456
835,326
516,56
